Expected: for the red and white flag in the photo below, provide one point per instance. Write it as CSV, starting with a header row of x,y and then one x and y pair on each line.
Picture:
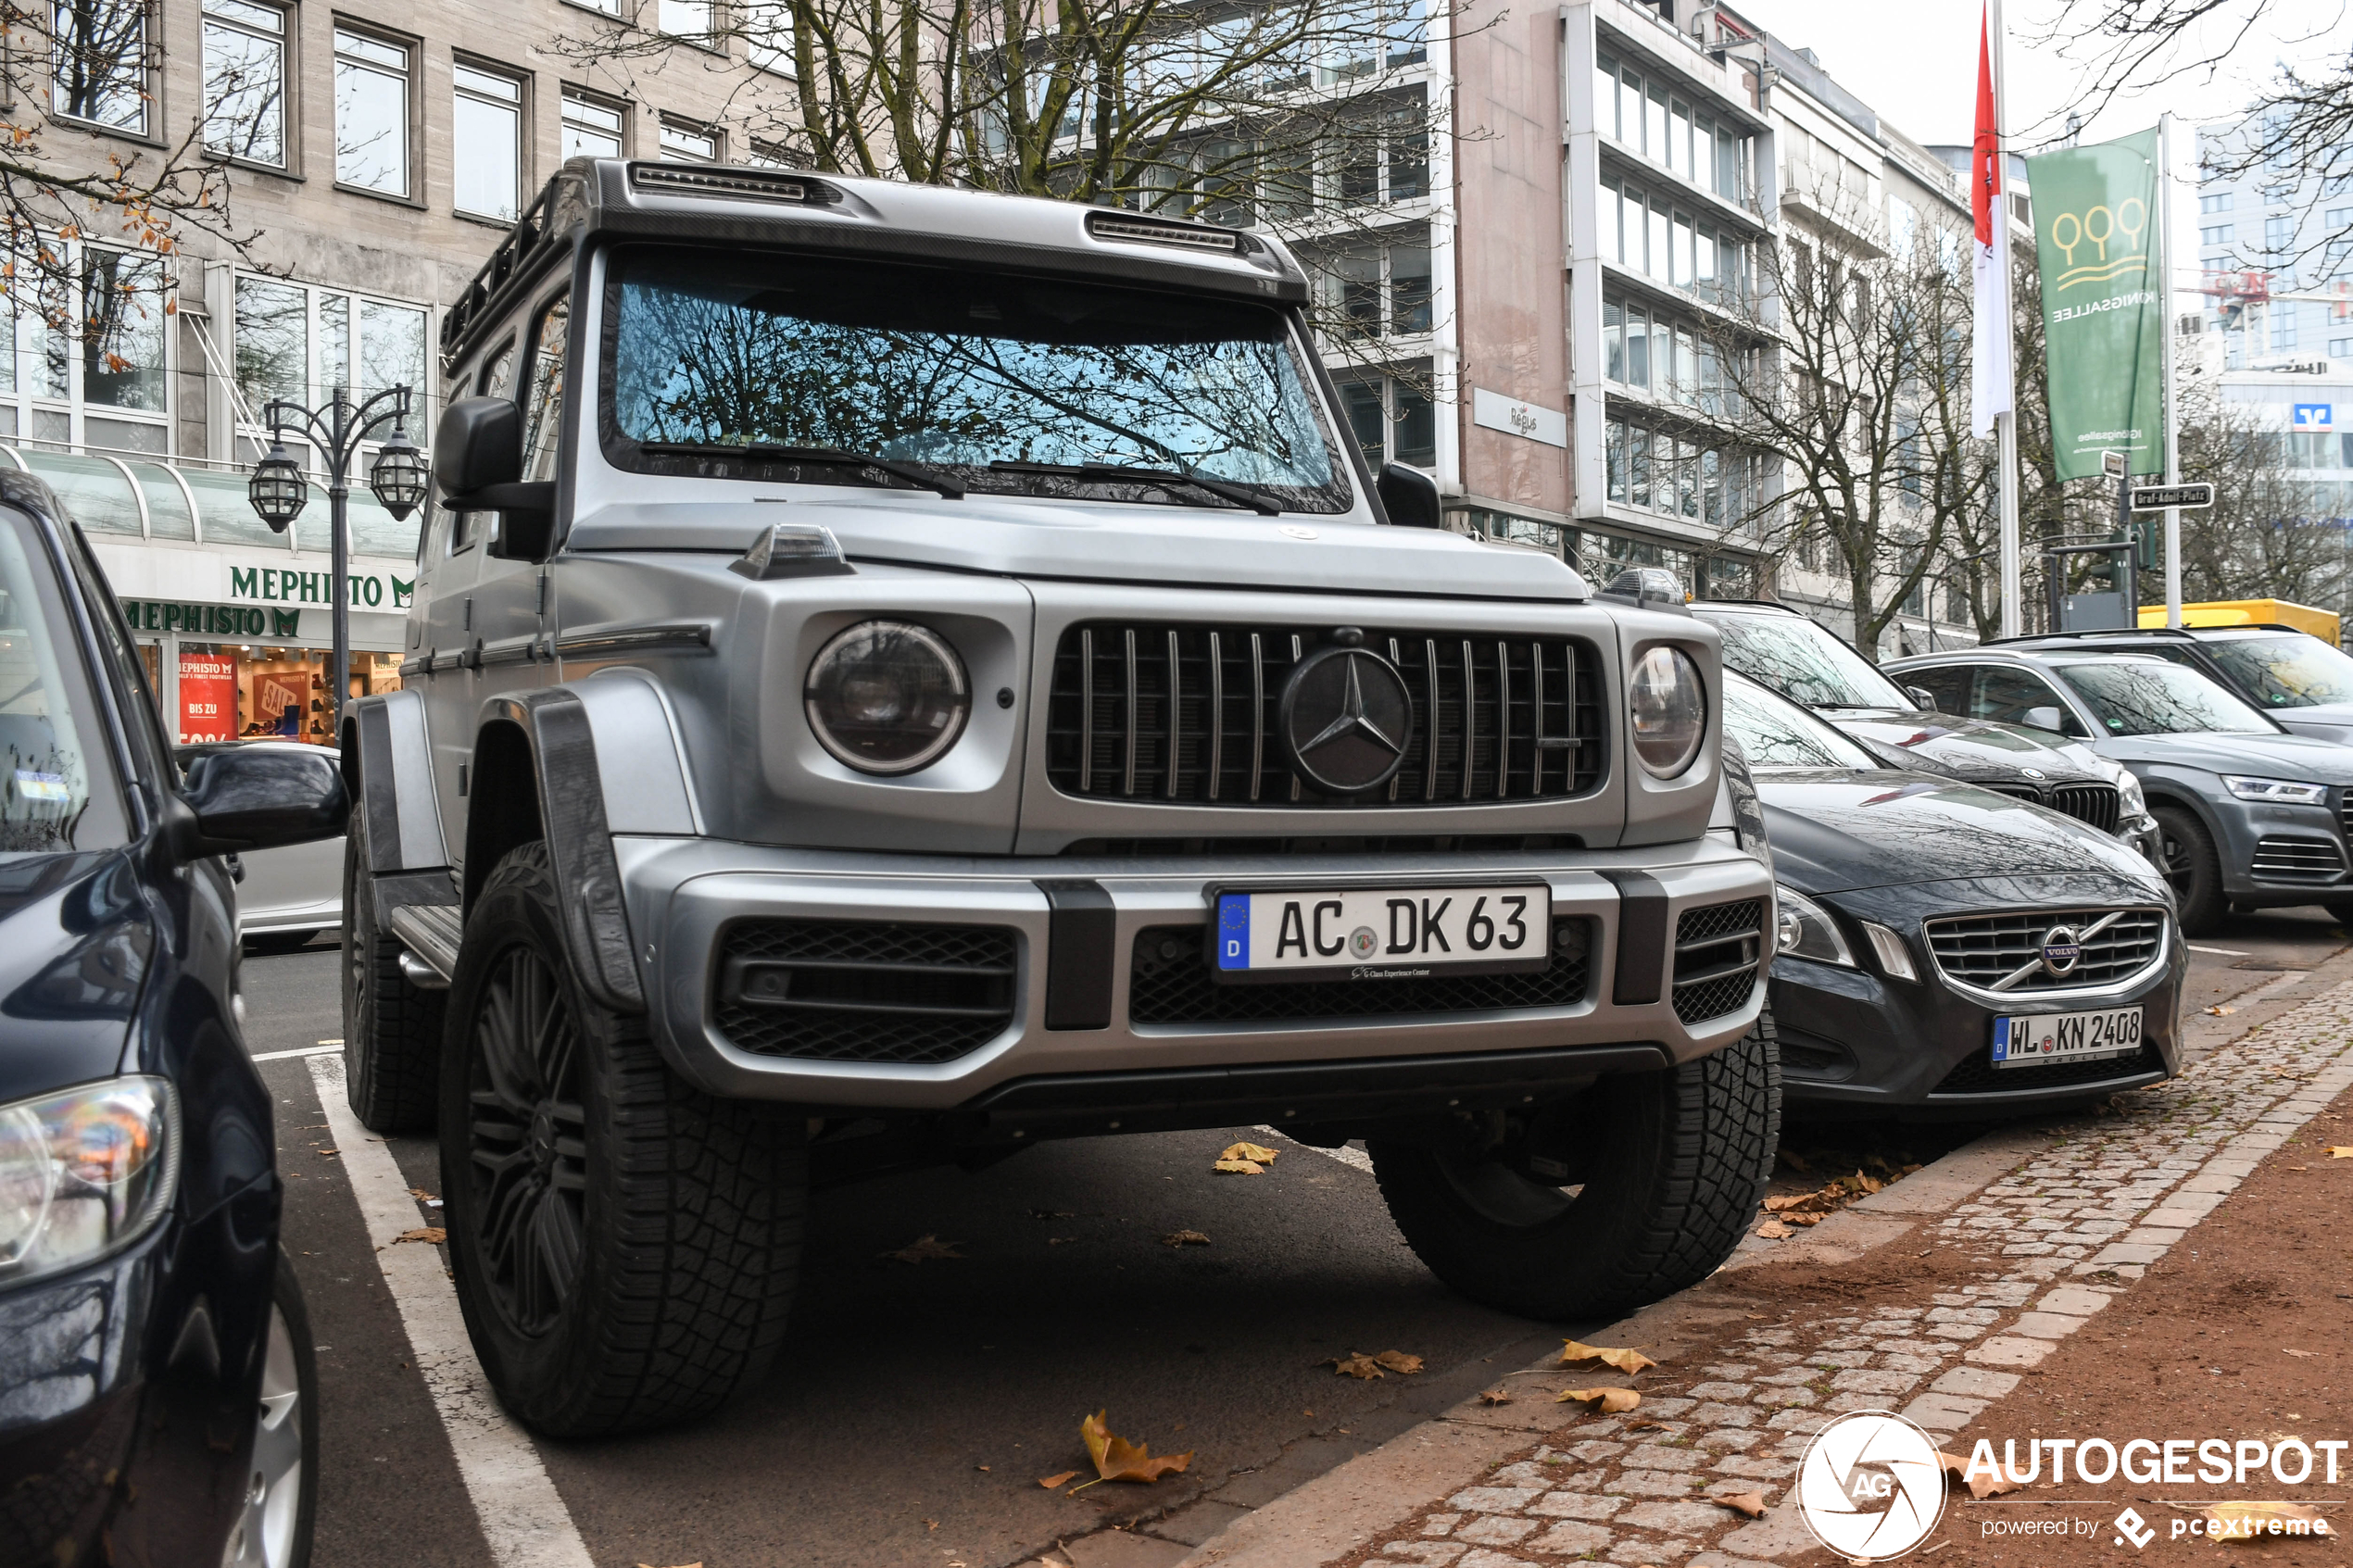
x,y
1990,335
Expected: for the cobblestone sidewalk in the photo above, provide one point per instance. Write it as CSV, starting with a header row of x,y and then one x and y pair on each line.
x,y
2062,1234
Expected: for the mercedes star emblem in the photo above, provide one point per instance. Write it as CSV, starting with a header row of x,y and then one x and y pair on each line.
x,y
2061,952
1347,719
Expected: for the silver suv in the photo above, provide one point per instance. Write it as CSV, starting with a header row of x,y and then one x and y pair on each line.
x,y
897,674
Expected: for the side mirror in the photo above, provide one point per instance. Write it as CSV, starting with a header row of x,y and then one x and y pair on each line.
x,y
1922,696
257,798
1410,497
477,464
2045,718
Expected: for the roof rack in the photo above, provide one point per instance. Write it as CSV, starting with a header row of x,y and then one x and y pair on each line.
x,y
525,243
2106,631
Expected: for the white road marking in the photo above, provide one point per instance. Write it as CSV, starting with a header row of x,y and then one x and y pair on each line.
x,y
521,1515
1354,1157
336,1049
2286,979
2225,952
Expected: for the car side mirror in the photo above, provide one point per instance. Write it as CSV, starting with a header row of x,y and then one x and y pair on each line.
x,y
2045,718
1409,497
257,798
477,465
1923,696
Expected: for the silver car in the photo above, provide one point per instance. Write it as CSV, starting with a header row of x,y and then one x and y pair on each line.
x,y
289,893
897,674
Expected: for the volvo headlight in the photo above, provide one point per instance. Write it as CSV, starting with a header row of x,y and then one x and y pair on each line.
x,y
82,1173
888,696
1669,711
2276,792
1805,930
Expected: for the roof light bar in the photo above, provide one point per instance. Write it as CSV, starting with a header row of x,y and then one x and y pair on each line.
x,y
1162,232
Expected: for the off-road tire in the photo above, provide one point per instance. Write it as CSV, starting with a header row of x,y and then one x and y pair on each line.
x,y
1677,1174
685,1240
391,1028
2186,853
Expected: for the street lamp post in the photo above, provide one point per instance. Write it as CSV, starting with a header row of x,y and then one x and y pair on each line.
x,y
279,491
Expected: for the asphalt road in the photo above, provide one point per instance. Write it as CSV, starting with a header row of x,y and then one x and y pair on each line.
x,y
916,1405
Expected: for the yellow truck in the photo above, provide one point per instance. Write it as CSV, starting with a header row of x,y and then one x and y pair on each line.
x,y
2322,623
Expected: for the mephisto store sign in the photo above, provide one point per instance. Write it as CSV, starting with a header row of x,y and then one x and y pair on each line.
x,y
233,591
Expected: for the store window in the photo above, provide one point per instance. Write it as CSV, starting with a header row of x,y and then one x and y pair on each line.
x,y
487,119
372,113
245,82
243,691
89,356
590,129
98,63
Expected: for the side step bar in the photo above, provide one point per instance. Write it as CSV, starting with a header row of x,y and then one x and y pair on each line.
x,y
430,934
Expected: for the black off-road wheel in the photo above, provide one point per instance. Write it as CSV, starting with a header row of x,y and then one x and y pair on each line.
x,y
2194,868
1640,1187
391,1029
624,1245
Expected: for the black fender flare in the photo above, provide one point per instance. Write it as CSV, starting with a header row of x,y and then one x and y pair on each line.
x,y
387,776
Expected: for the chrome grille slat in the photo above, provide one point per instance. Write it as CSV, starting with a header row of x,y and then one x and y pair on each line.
x,y
1479,717
1981,951
2277,855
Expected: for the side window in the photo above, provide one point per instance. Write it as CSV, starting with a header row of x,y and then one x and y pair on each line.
x,y
1947,683
2006,694
497,380
543,408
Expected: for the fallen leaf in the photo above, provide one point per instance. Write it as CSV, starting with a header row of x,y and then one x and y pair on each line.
x,y
1749,1503
680,1565
1240,1167
1624,1361
1357,1365
1807,1221
329,1153
924,1247
980,1467
1051,1482
1786,1203
1184,1238
2307,1355
2341,1151
433,1234
1400,1362
1869,1184
1257,1151
1608,1402
1773,1230
1956,1469
421,1195
1796,1160
1495,1397
2246,1520
2221,1011
1119,1460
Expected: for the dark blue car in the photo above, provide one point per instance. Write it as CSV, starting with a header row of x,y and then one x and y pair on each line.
x,y
157,1386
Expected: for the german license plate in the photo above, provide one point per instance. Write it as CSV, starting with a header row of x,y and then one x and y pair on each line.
x,y
2065,1036
1382,934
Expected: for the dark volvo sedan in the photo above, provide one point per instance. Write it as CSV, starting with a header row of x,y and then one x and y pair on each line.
x,y
1943,950
156,1370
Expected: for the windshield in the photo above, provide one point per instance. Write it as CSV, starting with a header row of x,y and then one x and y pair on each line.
x,y
1805,662
2155,699
1778,735
957,370
2296,671
55,792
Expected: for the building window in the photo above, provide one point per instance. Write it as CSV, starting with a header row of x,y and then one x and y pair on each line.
x,y
2218,201
488,122
1392,420
590,129
2342,348
98,63
690,19
245,82
768,42
301,342
371,114
1647,119
1380,293
103,383
2279,232
2218,235
682,143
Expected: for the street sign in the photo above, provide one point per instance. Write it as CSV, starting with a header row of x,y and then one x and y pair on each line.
x,y
2159,498
2112,463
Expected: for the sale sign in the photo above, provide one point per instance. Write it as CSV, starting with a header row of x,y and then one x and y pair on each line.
x,y
207,697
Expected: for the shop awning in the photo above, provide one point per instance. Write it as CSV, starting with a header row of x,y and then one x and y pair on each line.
x,y
147,499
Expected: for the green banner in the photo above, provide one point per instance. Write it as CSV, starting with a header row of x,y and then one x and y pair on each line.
x,y
2097,246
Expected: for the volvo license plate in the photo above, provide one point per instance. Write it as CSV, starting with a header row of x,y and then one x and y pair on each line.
x,y
2065,1036
1381,933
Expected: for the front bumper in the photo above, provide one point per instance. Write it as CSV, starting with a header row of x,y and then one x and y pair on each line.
x,y
1856,1041
1072,927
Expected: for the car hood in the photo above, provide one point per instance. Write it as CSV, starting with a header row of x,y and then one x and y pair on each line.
x,y
1162,545
1966,749
1833,830
2302,757
75,940
2327,721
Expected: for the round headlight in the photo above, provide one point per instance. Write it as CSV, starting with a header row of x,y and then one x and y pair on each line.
x,y
888,696
1669,711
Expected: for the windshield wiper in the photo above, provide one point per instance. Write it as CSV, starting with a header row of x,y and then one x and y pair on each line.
x,y
1224,490
913,473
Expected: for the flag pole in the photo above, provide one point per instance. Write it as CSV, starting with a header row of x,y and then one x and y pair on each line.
x,y
2172,372
2005,422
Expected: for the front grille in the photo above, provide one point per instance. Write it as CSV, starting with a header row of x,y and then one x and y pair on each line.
x,y
2016,791
1976,1073
846,991
1716,949
2094,805
1160,712
2345,813
1171,984
2292,859
1982,950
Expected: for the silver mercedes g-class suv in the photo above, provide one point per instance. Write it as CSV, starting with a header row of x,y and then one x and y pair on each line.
x,y
897,674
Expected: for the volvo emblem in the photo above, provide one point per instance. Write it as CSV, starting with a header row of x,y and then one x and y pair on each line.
x,y
2061,952
1346,719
